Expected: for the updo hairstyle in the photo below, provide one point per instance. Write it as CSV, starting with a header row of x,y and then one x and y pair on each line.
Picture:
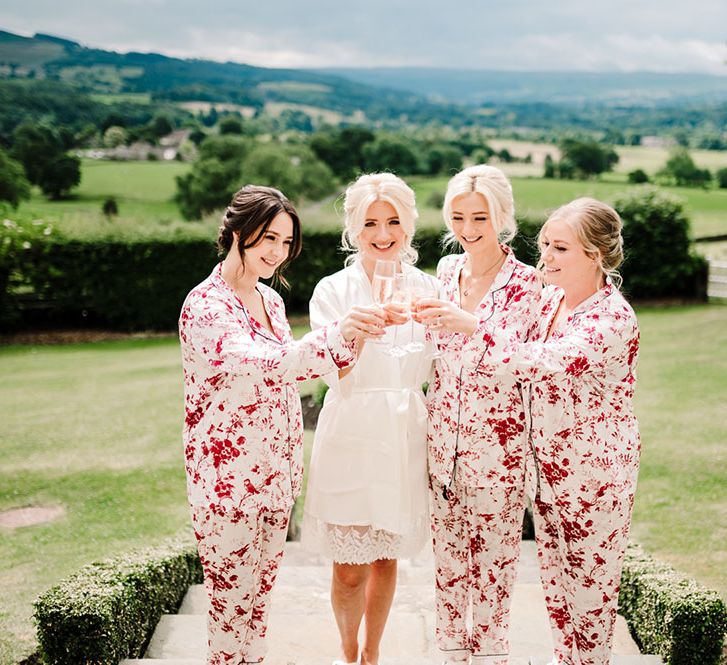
x,y
598,228
249,214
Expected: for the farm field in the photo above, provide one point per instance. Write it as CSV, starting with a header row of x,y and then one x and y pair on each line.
x,y
648,158
144,192
95,428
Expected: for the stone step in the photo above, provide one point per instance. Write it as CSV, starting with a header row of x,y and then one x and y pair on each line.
x,y
302,626
302,630
615,660
301,661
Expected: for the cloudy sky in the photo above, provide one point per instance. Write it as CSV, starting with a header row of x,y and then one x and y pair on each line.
x,y
615,35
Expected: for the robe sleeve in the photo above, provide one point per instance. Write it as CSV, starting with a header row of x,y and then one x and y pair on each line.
x,y
325,307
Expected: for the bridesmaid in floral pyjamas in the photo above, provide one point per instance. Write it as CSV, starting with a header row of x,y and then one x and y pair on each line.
x,y
580,373
243,428
477,436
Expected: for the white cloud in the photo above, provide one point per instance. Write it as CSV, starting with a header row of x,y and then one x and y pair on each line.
x,y
595,35
617,52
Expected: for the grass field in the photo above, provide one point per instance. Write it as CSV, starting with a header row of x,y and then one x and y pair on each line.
x,y
144,192
96,428
650,159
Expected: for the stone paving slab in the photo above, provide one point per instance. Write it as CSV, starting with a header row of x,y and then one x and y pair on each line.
x,y
302,630
615,660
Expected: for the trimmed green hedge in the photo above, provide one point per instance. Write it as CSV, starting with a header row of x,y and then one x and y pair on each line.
x,y
669,614
140,284
109,610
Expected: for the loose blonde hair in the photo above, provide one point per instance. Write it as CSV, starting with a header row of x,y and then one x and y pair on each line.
x,y
497,191
368,189
598,228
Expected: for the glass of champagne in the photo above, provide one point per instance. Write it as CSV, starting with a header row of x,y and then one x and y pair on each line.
x,y
382,286
401,297
425,286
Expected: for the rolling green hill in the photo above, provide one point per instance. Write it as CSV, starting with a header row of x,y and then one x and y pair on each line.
x,y
623,106
107,72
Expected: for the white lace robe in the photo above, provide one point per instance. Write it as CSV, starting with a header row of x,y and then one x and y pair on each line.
x,y
367,485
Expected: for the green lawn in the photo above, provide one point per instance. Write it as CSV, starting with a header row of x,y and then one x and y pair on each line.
x,y
144,193
537,197
145,190
681,501
96,428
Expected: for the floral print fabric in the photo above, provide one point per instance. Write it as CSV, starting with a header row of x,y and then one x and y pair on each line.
x,y
585,445
240,557
243,426
243,436
477,430
477,440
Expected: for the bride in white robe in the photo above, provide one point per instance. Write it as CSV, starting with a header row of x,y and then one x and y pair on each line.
x,y
367,496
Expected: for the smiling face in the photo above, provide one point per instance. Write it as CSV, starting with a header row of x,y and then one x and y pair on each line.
x,y
472,224
565,262
263,258
382,236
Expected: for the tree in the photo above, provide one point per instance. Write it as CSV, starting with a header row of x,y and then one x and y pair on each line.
x,y
638,177
41,153
721,176
295,119
230,125
225,148
114,136
550,170
60,176
505,156
295,170
270,165
482,154
161,125
659,260
110,208
208,186
588,157
113,120
682,171
342,150
443,158
34,146
14,186
391,153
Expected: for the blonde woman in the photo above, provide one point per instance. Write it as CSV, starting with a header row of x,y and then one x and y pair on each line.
x,y
477,428
366,501
580,371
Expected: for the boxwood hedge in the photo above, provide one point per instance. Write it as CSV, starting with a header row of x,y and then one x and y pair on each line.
x,y
669,614
109,610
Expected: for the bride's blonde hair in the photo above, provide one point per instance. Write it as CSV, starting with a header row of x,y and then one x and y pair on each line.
x,y
368,189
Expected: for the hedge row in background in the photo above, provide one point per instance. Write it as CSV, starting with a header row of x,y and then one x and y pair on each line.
x,y
135,285
140,284
109,610
669,614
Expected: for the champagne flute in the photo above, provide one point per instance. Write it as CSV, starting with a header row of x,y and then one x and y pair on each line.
x,y
426,287
382,286
401,296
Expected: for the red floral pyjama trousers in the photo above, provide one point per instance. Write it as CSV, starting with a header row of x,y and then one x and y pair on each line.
x,y
581,555
476,535
240,556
